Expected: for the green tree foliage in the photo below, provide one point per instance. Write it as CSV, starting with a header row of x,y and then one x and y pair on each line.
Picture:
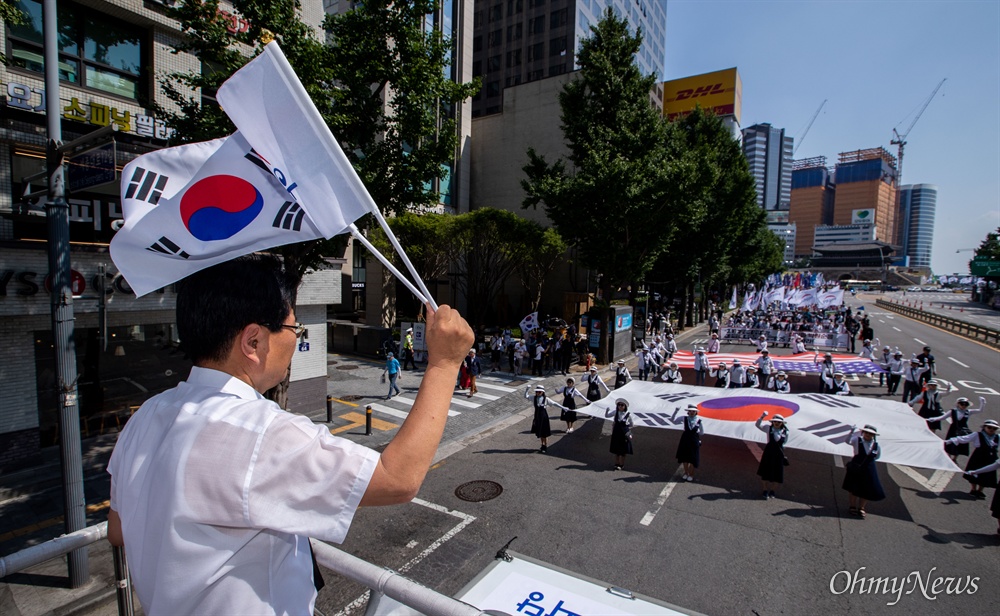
x,y
610,199
379,83
11,13
990,247
545,247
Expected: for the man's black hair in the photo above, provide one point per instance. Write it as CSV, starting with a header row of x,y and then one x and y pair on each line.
x,y
215,304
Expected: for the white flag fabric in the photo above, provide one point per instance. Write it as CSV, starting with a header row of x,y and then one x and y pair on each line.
x,y
192,206
529,323
809,297
732,300
834,298
816,422
268,103
776,294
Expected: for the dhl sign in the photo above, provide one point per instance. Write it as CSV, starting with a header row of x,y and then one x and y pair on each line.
x,y
720,91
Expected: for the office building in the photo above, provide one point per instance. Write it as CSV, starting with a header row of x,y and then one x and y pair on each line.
x,y
915,235
520,41
866,191
126,347
811,201
769,153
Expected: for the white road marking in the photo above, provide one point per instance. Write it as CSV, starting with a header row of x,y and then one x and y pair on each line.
x,y
881,321
838,461
664,495
935,483
889,316
411,545
958,362
896,328
480,395
388,410
465,518
755,449
506,390
919,341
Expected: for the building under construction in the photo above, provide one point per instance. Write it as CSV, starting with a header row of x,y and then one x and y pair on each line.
x,y
811,203
866,191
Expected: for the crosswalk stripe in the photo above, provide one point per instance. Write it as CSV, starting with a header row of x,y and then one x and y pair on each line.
x,y
388,410
479,383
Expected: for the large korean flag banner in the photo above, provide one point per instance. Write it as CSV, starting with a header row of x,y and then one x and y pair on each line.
x,y
192,206
816,422
268,103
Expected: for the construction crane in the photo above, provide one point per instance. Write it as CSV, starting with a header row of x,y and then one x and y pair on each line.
x,y
808,126
900,140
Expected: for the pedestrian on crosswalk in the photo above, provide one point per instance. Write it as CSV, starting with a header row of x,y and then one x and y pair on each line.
x,y
392,371
473,369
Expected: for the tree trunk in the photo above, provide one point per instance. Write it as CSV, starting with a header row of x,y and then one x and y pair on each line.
x,y
683,310
689,298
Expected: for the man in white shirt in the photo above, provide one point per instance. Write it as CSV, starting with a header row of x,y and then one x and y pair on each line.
x,y
215,490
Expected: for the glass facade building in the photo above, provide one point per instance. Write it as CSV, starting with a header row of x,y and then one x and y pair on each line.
x,y
769,153
917,206
519,41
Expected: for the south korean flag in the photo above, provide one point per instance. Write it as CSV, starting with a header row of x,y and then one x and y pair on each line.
x,y
192,206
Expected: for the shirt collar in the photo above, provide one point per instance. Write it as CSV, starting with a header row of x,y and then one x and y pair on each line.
x,y
215,379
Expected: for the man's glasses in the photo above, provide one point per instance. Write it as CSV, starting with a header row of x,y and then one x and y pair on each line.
x,y
299,329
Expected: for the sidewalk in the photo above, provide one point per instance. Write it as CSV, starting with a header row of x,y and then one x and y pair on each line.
x,y
354,383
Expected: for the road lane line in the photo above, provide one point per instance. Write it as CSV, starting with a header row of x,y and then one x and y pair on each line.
x,y
935,483
664,495
896,328
838,461
919,341
881,321
958,362
465,518
755,449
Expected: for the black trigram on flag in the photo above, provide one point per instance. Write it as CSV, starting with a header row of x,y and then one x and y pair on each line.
x,y
146,186
830,401
289,217
831,430
166,247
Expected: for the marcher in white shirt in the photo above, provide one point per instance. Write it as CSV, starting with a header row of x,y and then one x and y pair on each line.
x,y
761,343
765,366
215,490
837,386
737,375
701,366
671,374
779,384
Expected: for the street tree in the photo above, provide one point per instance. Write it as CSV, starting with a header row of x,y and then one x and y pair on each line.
x,y
610,198
545,248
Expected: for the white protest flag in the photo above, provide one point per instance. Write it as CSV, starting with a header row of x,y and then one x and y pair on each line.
x,y
832,298
816,422
268,103
808,297
192,206
775,295
732,300
529,323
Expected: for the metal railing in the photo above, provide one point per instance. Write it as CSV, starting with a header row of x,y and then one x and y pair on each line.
x,y
777,337
381,581
963,328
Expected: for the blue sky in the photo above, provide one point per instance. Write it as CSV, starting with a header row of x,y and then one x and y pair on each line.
x,y
876,62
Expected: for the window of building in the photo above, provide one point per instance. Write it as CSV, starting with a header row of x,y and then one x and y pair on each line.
x,y
536,51
536,25
493,64
513,81
557,46
533,3
496,12
477,68
496,38
515,7
493,89
513,58
96,51
514,32
477,19
535,75
557,69
477,43
558,18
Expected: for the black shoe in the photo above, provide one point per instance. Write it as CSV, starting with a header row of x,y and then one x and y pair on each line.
x,y
543,449
770,494
764,494
980,495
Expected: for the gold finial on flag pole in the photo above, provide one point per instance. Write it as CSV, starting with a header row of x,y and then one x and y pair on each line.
x,y
266,36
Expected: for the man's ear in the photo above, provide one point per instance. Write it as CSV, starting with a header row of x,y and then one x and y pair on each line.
x,y
248,341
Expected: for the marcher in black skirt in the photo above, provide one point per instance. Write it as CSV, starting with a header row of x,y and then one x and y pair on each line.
x,y
622,375
861,479
930,404
995,505
689,447
569,393
985,445
772,462
959,425
540,425
594,384
621,432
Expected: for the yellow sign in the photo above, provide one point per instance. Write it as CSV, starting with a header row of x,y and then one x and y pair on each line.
x,y
721,91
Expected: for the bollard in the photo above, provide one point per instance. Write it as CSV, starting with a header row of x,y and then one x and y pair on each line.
x,y
329,409
368,420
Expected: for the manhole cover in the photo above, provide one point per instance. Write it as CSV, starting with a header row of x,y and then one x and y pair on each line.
x,y
346,367
350,398
478,491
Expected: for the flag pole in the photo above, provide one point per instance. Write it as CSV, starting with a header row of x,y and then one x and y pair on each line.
x,y
402,255
389,266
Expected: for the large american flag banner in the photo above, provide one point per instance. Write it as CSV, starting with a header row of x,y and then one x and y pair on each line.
x,y
800,362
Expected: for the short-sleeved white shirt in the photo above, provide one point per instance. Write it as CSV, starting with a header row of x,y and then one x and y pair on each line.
x,y
218,490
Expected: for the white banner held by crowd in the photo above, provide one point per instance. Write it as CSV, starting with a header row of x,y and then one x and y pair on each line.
x,y
192,206
816,422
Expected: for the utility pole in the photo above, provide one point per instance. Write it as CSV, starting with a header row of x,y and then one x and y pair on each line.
x,y
61,303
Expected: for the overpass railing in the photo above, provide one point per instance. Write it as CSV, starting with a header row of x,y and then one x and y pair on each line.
x,y
381,581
